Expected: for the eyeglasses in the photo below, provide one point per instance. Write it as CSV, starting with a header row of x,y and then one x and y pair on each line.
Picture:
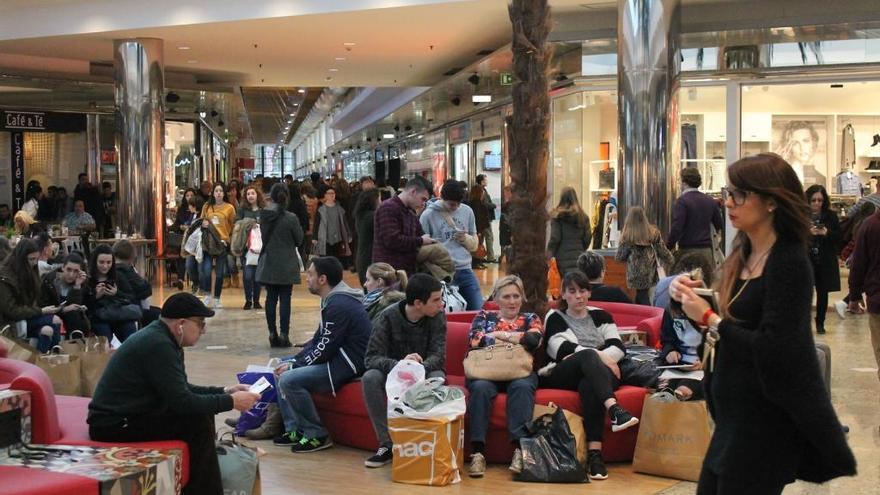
x,y
200,323
737,195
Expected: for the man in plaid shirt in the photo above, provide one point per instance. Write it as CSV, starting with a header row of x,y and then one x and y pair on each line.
x,y
397,233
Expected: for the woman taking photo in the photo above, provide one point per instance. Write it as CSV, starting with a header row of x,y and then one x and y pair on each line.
x,y
506,326
332,237
825,232
19,288
385,286
367,203
584,347
221,215
774,422
251,208
113,309
569,231
643,250
279,266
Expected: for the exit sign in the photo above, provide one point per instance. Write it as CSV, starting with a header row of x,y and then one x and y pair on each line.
x,y
506,79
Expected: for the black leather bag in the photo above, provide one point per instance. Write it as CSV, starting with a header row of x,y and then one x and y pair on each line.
x,y
120,312
550,452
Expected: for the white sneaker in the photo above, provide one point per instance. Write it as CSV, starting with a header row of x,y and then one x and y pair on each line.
x,y
840,306
217,303
208,301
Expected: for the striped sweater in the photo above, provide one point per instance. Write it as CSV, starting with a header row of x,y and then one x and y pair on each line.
x,y
565,335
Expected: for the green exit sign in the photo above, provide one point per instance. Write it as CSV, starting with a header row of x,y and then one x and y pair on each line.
x,y
506,79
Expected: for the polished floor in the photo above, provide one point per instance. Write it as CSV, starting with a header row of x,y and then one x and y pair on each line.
x,y
236,338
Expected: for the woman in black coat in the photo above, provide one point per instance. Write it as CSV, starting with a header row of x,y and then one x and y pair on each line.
x,y
367,203
823,250
774,421
278,268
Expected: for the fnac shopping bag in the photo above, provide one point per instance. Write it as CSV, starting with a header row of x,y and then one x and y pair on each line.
x,y
427,451
550,452
575,425
673,438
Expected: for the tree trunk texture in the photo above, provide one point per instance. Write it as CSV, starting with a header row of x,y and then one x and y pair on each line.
x,y
529,143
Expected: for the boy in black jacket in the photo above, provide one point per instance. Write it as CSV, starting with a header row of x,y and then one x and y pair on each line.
x,y
66,286
123,251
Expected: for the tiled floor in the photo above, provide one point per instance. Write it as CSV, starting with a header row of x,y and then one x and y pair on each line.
x,y
237,338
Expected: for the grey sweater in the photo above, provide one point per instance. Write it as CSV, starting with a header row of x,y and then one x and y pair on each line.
x,y
394,337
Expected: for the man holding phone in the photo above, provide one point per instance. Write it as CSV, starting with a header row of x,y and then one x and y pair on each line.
x,y
64,288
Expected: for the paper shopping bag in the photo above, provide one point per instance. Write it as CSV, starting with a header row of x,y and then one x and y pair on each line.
x,y
64,370
94,353
427,451
575,424
673,439
17,348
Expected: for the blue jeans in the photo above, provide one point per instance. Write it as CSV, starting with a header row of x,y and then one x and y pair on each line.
x,y
251,286
122,329
295,400
192,271
276,294
205,271
520,403
469,288
45,343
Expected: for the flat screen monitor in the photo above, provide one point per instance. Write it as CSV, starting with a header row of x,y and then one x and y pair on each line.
x,y
492,162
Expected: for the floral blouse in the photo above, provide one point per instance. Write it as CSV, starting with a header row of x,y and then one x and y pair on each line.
x,y
487,322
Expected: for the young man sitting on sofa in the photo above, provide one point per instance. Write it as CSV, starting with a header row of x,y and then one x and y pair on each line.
x,y
333,357
412,329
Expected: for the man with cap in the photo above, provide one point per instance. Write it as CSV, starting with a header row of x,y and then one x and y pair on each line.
x,y
144,394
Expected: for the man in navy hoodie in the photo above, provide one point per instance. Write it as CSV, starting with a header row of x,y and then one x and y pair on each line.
x,y
333,357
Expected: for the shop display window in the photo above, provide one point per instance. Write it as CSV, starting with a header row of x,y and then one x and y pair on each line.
x,y
704,134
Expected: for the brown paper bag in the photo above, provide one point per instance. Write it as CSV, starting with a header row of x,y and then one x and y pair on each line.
x,y
65,372
673,439
17,348
575,424
94,353
427,451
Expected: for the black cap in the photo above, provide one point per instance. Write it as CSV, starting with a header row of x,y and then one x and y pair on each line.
x,y
184,305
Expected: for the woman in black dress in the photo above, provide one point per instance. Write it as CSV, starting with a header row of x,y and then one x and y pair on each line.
x,y
825,231
774,422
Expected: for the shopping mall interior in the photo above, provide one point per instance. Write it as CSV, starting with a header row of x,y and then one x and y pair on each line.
x,y
151,99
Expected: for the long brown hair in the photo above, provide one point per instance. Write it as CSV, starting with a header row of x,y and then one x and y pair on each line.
x,y
260,201
773,179
637,230
569,206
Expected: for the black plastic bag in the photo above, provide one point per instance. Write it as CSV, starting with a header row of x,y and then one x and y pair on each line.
x,y
550,452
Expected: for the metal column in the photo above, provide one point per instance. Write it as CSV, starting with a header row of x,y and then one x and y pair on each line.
x,y
93,137
648,68
140,135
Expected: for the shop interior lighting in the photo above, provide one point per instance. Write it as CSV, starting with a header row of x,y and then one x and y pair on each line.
x,y
349,43
183,47
340,59
388,136
333,69
300,91
481,98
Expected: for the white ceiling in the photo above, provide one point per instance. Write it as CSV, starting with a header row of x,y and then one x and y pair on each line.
x,y
402,46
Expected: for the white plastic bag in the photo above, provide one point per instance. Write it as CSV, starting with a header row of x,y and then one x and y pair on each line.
x,y
453,301
404,375
193,244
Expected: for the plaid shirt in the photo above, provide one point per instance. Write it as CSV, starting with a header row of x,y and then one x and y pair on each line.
x,y
397,235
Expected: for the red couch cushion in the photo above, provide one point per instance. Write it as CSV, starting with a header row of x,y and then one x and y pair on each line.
x,y
27,481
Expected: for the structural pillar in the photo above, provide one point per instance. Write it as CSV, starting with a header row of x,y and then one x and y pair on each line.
x,y
140,136
93,133
648,68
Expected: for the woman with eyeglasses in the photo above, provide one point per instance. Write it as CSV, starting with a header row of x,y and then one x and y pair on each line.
x,y
774,421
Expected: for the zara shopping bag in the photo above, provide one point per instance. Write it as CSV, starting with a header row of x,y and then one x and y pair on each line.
x,y
673,437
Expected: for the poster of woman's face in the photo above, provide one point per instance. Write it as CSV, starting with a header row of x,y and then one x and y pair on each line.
x,y
802,142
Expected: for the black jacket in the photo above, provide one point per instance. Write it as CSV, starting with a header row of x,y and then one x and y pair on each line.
x,y
823,254
774,419
49,295
140,288
281,234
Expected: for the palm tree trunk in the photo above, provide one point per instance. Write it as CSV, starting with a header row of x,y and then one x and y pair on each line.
x,y
529,140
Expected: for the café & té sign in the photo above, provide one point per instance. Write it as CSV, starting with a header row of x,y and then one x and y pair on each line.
x,y
11,120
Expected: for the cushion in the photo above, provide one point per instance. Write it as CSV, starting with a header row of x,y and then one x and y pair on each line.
x,y
26,481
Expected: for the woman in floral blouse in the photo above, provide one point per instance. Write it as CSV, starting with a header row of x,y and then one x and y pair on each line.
x,y
507,325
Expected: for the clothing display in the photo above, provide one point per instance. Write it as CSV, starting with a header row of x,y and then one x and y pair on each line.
x,y
848,147
848,183
688,141
606,178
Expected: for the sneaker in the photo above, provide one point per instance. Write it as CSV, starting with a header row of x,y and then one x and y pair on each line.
x,y
840,307
257,305
287,439
620,419
247,305
478,466
596,466
217,303
306,445
380,458
233,422
208,301
516,465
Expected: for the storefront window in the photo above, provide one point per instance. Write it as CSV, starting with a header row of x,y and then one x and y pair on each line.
x,y
704,133
426,156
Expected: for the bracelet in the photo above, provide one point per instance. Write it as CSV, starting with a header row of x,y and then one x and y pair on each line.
x,y
706,316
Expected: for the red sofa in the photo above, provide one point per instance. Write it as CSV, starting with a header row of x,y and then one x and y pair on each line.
x,y
345,415
57,419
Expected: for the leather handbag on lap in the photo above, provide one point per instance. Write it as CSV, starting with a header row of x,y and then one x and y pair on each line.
x,y
498,363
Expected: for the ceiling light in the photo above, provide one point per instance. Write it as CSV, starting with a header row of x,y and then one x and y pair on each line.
x,y
333,69
340,59
481,98
349,43
183,47
300,91
292,113
388,136
203,114
192,61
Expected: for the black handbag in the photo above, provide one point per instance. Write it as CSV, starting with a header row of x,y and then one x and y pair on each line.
x,y
119,312
550,452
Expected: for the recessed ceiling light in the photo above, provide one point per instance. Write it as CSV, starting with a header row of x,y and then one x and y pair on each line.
x,y
349,43
333,69
388,136
300,91
340,59
192,61
481,98
183,48
290,121
292,115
